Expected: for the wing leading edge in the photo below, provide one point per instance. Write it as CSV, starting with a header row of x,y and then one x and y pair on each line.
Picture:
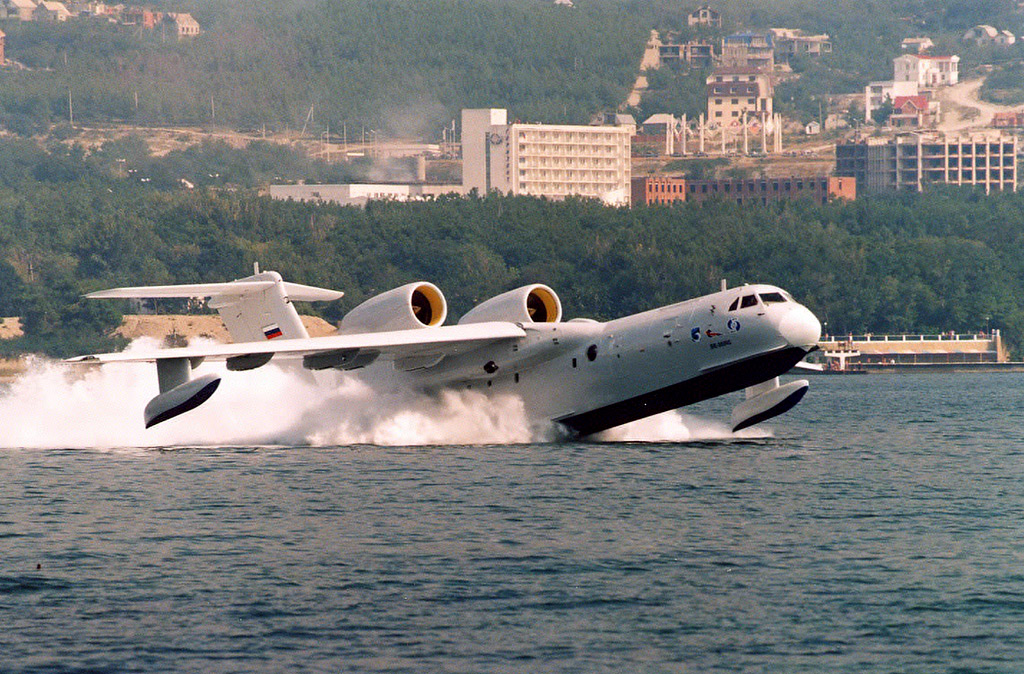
x,y
441,341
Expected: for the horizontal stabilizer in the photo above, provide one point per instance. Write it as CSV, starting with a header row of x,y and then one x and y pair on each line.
x,y
293,291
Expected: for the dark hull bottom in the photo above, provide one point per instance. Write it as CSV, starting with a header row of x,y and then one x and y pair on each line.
x,y
727,379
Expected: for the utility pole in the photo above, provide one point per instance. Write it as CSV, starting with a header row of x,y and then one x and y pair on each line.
x,y
71,109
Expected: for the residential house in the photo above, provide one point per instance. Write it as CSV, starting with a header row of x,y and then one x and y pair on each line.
x,y
789,42
1008,120
748,50
141,17
738,94
704,16
916,45
17,9
694,53
912,74
927,71
51,11
914,111
985,35
183,23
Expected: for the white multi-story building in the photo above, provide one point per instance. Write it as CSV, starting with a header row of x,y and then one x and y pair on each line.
x,y
927,71
545,160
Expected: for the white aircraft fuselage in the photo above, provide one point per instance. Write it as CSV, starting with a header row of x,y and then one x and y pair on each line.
x,y
591,376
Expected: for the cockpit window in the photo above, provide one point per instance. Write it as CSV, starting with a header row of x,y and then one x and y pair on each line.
x,y
748,301
772,298
735,303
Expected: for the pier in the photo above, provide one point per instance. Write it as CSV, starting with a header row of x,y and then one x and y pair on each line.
x,y
948,350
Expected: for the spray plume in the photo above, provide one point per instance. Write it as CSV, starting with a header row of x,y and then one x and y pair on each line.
x,y
54,405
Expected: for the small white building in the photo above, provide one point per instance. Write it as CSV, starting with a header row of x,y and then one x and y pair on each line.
x,y
916,45
358,194
546,160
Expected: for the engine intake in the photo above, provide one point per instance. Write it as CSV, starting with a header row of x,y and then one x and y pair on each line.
x,y
535,303
412,306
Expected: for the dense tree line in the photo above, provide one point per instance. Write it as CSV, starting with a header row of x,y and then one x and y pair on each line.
x,y
945,260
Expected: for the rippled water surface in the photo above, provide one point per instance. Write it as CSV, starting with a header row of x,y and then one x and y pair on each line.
x,y
879,527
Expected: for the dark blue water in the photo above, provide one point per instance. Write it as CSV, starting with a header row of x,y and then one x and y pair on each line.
x,y
881,529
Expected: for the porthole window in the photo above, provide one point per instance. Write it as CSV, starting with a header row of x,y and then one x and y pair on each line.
x,y
592,352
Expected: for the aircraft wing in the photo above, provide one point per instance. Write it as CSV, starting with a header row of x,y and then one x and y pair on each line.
x,y
439,341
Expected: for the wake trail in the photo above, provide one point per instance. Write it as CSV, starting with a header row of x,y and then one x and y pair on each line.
x,y
54,405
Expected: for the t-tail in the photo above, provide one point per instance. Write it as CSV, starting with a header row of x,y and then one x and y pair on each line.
x,y
255,308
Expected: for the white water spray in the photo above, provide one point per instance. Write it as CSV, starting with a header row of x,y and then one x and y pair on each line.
x,y
674,426
56,405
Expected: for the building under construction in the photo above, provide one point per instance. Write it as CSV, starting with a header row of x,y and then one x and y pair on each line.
x,y
915,160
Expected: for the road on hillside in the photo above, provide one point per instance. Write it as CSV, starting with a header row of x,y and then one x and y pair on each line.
x,y
963,110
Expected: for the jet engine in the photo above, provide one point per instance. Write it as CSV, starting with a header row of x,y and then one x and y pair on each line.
x,y
414,305
535,303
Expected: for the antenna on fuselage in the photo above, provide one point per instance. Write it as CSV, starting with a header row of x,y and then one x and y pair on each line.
x,y
725,285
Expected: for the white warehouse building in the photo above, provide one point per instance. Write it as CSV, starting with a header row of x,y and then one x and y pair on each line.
x,y
547,160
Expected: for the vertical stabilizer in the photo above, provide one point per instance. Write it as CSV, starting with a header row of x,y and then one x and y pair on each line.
x,y
261,315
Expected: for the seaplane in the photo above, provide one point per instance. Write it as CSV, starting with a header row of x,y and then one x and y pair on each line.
x,y
584,375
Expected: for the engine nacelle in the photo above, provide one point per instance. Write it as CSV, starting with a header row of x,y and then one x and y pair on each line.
x,y
535,303
414,305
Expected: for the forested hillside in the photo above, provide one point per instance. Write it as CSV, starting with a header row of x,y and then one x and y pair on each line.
x,y
408,66
402,66
947,260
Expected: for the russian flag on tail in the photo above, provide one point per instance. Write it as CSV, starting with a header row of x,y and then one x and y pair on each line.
x,y
272,331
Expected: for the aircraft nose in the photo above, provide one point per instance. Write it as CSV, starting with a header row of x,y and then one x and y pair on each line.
x,y
800,327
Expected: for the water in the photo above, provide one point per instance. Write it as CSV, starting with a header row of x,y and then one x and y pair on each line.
x,y
878,527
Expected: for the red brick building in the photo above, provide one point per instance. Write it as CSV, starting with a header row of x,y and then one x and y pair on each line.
x,y
761,191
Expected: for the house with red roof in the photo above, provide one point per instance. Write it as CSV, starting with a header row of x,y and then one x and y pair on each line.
x,y
914,111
